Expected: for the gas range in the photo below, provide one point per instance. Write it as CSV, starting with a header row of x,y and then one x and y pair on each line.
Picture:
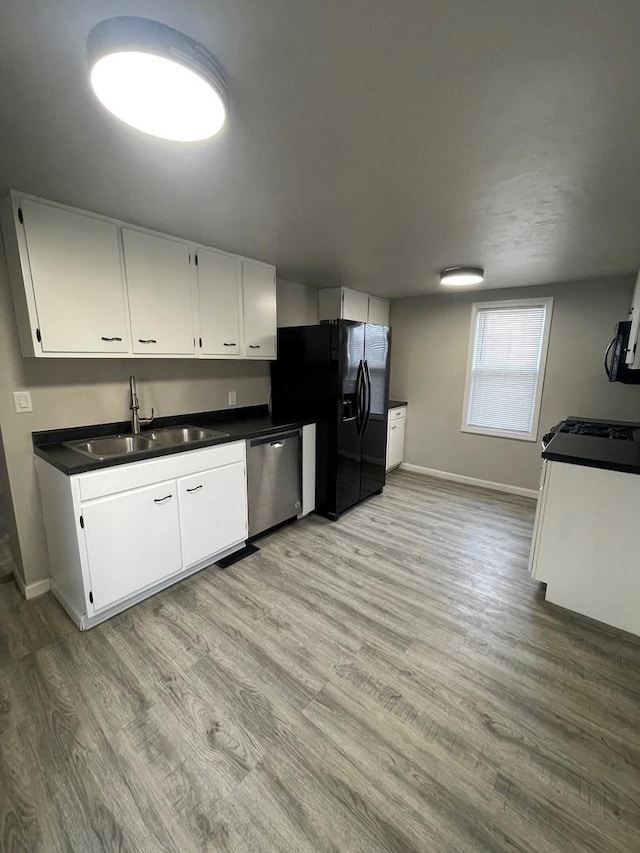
x,y
595,429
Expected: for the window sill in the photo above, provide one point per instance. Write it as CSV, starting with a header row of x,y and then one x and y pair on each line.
x,y
496,433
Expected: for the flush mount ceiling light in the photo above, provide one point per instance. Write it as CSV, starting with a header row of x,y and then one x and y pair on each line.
x,y
157,79
461,276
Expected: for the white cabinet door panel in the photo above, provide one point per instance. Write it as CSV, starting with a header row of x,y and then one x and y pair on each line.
x,y
213,511
159,283
395,442
132,540
378,311
355,306
259,301
219,303
77,280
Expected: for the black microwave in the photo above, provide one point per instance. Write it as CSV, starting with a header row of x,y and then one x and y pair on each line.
x,y
614,358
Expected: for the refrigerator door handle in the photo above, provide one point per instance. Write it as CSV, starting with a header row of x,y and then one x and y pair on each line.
x,y
359,397
367,378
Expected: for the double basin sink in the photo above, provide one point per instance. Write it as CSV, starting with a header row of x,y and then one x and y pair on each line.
x,y
123,445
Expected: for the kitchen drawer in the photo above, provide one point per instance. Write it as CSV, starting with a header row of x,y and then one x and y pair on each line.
x,y
397,413
133,475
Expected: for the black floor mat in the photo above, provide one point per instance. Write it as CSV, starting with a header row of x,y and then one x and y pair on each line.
x,y
225,562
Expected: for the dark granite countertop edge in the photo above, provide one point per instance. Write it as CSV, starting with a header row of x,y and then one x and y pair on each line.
x,y
396,404
608,465
242,424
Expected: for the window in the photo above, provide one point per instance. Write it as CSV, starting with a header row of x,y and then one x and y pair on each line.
x,y
505,372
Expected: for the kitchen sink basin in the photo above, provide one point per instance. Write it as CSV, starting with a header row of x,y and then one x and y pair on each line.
x,y
183,434
113,445
123,445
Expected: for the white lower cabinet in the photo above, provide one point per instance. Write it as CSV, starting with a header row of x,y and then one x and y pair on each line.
x,y
119,534
396,421
581,547
132,541
213,511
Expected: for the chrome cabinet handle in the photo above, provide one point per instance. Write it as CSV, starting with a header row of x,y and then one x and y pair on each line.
x,y
148,341
110,339
254,346
394,426
229,345
162,500
195,489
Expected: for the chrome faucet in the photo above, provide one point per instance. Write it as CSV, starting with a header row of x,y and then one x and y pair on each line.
x,y
136,420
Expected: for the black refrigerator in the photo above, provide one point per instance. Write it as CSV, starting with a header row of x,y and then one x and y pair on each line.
x,y
338,375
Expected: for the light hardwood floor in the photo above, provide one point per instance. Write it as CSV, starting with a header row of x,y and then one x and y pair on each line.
x,y
393,682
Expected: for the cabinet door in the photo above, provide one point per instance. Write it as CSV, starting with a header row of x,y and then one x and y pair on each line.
x,y
355,306
259,302
213,511
395,443
133,541
77,280
219,303
159,283
378,311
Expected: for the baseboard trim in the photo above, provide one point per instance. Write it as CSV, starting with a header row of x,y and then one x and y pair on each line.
x,y
32,590
470,481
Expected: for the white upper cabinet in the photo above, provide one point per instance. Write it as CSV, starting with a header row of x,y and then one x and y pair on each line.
x,y
355,306
76,280
378,311
84,285
259,309
159,283
219,288
341,303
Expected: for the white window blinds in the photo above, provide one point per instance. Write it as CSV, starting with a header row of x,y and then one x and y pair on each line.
x,y
504,380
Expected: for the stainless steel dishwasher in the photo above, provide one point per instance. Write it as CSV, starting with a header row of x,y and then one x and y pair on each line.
x,y
274,474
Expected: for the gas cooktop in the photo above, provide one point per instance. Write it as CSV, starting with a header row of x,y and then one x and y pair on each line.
x,y
601,429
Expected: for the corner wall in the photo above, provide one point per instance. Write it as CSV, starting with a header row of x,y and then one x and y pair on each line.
x,y
428,368
297,304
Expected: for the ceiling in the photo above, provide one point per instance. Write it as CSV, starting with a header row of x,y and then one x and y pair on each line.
x,y
370,143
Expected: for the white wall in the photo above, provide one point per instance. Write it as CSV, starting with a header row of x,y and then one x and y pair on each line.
x,y
73,392
297,304
428,367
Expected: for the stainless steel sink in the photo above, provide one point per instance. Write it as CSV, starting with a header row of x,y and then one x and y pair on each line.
x,y
113,445
123,445
183,434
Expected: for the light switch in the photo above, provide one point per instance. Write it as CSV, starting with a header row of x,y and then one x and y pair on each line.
x,y
232,398
23,402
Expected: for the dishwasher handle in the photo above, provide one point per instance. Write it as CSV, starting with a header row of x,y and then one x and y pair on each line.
x,y
276,440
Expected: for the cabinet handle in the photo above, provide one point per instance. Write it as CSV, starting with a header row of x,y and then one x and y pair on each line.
x,y
110,339
229,345
254,346
394,426
194,489
162,500
148,341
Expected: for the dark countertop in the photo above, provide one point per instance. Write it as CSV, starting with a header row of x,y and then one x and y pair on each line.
x,y
611,454
395,404
240,424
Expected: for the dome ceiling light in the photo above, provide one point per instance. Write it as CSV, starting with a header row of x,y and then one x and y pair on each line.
x,y
461,276
157,79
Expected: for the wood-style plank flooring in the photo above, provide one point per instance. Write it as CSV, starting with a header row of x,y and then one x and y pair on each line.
x,y
392,682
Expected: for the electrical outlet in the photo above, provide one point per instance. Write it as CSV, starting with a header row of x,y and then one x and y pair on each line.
x,y
22,400
233,400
